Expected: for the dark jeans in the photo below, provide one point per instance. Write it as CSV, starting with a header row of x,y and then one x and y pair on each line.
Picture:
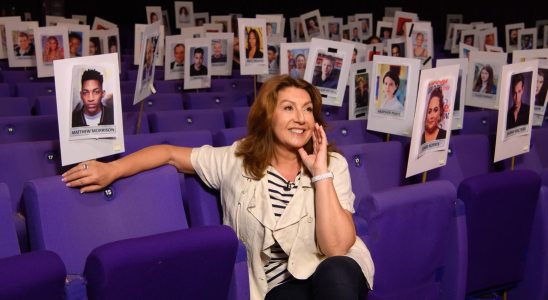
x,y
337,277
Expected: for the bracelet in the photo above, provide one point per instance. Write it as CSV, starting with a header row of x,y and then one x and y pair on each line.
x,y
322,177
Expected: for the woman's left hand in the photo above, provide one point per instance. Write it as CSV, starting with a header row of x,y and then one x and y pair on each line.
x,y
316,162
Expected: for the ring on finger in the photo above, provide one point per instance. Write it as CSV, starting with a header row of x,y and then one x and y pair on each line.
x,y
85,165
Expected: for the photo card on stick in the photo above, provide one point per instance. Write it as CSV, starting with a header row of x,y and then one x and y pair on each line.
x,y
312,25
89,107
184,14
483,78
221,53
150,44
327,69
51,44
253,46
360,75
293,58
198,66
516,108
433,117
458,107
21,44
420,42
393,93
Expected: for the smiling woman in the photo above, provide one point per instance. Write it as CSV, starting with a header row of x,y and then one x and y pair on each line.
x,y
287,158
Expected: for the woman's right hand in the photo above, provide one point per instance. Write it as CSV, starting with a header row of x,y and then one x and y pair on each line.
x,y
90,176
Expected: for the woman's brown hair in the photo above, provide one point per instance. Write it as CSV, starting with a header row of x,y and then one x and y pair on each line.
x,y
257,148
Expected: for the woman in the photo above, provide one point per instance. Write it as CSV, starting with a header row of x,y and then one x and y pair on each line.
x,y
300,66
391,84
485,82
184,16
362,95
540,92
253,49
434,115
419,50
284,192
52,51
94,46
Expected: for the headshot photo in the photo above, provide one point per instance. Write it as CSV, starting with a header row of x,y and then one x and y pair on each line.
x,y
273,59
94,46
312,26
420,45
526,42
178,63
386,33
75,43
513,36
396,50
518,102
485,79
153,17
434,116
148,60
183,16
468,40
542,87
489,40
112,43
391,92
362,90
24,43
327,71
198,67
334,32
296,59
52,48
253,43
91,108
219,47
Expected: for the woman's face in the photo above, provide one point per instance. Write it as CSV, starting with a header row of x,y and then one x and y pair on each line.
x,y
252,40
484,75
389,86
92,48
419,40
433,116
293,119
301,64
540,82
52,44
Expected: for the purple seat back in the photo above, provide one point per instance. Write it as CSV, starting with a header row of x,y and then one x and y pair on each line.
x,y
196,119
220,100
345,132
333,113
156,102
239,84
497,247
227,136
9,245
373,167
45,105
537,157
33,275
26,76
71,224
479,122
408,235
169,86
194,138
130,123
535,278
188,258
132,74
15,106
34,89
237,116
127,87
28,128
6,91
468,156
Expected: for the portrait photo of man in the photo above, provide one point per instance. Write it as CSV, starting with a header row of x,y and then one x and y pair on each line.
x,y
177,65
326,74
198,67
518,111
24,45
91,111
219,51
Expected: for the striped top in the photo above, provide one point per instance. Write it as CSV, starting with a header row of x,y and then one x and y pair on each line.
x,y
281,192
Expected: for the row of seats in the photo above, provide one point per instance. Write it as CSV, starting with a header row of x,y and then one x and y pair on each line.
x,y
427,220
22,88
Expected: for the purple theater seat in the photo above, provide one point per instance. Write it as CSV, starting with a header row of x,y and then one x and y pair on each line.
x,y
22,162
333,113
131,122
6,90
127,87
237,116
19,76
15,106
28,128
227,136
34,275
45,105
38,275
374,167
132,74
497,247
195,263
191,138
196,119
8,241
468,156
169,86
537,157
71,224
345,132
221,100
479,122
408,235
156,102
34,89
240,84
